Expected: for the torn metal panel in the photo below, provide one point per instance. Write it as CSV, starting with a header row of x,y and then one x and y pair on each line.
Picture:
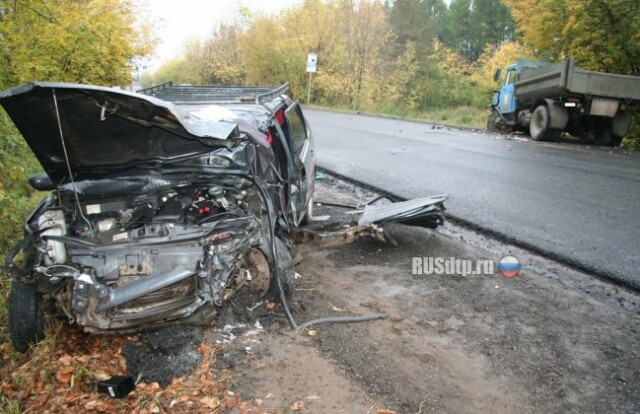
x,y
369,219
423,212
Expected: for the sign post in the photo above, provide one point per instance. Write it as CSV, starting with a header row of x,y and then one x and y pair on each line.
x,y
312,66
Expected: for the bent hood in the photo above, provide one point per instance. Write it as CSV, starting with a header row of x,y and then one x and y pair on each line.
x,y
106,130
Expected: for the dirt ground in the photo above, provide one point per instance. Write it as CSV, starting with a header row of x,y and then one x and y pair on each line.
x,y
548,340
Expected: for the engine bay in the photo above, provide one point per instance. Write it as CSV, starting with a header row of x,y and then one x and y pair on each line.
x,y
143,251
107,215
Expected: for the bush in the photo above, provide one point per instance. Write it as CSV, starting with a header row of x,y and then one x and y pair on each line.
x,y
17,199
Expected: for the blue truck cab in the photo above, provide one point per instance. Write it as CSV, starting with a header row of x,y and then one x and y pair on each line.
x,y
504,98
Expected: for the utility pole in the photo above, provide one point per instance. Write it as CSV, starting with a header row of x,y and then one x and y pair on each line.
x,y
312,66
309,88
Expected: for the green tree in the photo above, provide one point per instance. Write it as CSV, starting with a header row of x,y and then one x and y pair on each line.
x,y
419,22
96,41
58,40
472,25
221,57
459,34
602,35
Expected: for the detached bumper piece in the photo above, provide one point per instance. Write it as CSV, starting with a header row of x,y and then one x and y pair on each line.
x,y
369,220
117,386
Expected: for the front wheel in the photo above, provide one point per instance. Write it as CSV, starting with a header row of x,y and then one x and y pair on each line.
x,y
26,316
495,123
286,272
308,215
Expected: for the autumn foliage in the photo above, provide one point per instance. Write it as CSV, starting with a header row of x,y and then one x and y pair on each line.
x,y
57,376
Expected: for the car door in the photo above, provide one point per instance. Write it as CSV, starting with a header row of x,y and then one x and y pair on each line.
x,y
302,151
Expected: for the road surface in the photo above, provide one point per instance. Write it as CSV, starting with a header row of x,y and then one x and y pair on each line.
x,y
572,202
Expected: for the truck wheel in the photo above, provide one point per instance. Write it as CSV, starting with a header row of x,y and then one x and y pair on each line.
x,y
26,316
620,124
495,122
606,137
589,137
603,137
539,126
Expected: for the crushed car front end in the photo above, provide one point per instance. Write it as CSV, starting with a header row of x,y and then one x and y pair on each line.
x,y
154,217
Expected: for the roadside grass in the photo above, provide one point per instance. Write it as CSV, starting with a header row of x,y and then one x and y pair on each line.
x,y
461,116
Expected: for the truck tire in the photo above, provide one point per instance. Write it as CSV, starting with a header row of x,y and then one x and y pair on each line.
x,y
606,137
539,127
620,125
495,122
26,316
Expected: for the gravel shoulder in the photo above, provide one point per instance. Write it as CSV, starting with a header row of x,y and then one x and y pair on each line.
x,y
549,340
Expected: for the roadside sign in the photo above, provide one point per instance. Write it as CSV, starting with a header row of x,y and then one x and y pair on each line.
x,y
312,62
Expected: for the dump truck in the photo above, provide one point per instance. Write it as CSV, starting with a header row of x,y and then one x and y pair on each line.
x,y
547,99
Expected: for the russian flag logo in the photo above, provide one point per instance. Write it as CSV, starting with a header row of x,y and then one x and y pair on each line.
x,y
509,266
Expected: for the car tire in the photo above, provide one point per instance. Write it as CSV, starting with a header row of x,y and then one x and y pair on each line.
x,y
26,316
287,272
308,215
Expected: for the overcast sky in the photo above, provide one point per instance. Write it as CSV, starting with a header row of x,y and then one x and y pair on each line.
x,y
179,21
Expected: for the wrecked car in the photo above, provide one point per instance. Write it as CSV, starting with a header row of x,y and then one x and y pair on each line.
x,y
157,214
166,203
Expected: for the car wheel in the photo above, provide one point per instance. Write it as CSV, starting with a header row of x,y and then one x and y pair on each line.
x,y
308,215
26,316
286,272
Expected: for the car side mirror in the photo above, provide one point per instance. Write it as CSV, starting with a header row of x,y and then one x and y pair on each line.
x,y
496,75
41,182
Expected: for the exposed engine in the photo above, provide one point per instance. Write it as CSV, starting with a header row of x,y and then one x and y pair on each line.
x,y
151,251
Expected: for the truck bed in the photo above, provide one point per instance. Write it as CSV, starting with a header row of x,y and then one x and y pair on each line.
x,y
555,80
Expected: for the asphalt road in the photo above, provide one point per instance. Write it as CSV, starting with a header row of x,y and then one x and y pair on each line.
x,y
574,203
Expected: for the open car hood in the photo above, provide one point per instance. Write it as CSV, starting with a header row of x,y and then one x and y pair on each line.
x,y
107,131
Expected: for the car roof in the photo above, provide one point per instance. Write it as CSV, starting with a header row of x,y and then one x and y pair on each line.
x,y
252,104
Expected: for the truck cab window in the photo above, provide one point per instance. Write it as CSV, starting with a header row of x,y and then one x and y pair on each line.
x,y
511,77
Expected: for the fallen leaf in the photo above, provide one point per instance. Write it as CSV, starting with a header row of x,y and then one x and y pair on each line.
x,y
385,411
210,402
335,308
312,397
64,374
297,406
312,332
101,375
